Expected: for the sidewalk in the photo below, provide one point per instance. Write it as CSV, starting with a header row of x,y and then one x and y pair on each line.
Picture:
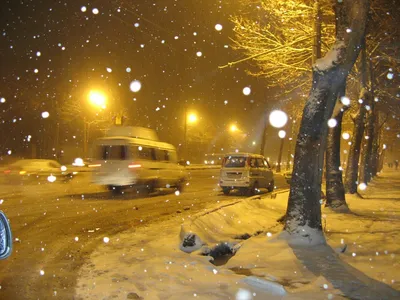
x,y
360,260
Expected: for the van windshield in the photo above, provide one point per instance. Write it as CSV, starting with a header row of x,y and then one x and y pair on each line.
x,y
113,152
234,162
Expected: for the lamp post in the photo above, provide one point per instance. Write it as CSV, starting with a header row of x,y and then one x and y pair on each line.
x,y
189,118
281,134
98,100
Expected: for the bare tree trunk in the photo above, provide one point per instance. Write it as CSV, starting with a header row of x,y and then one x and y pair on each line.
x,y
365,165
351,175
375,149
369,135
264,133
335,195
303,215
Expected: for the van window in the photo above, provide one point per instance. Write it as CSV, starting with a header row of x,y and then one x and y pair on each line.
x,y
113,152
234,162
260,163
145,153
266,163
172,156
253,163
162,155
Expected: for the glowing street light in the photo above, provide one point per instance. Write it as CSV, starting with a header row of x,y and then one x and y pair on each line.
x,y
191,118
97,99
233,128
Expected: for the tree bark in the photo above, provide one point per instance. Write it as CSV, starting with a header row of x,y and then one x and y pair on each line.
x,y
303,215
365,165
366,174
351,175
375,149
335,194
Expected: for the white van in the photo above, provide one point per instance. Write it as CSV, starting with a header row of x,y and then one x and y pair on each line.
x,y
133,157
247,172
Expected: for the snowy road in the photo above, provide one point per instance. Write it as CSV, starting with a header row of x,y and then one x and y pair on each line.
x,y
56,226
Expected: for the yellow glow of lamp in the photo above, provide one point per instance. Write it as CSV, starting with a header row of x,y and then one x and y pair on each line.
x,y
97,99
233,128
192,118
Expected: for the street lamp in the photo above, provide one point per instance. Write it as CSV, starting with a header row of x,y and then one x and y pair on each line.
x,y
98,100
189,119
281,134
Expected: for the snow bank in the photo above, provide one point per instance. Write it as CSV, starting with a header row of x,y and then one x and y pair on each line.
x,y
359,261
228,222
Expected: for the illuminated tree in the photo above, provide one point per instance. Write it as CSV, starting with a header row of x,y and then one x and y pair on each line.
x,y
280,42
303,216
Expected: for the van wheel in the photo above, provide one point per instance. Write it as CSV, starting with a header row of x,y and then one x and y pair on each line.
x,y
226,190
151,186
271,186
254,189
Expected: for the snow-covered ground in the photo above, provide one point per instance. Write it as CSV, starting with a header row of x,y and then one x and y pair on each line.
x,y
359,261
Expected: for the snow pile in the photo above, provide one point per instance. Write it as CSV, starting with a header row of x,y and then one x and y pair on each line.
x,y
359,261
241,218
331,58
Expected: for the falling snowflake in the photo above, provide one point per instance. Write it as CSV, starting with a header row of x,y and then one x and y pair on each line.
x,y
128,70
246,91
106,239
135,86
2,100
109,70
218,27
83,8
278,118
51,178
362,186
390,76
199,54
332,123
95,11
345,101
45,114
38,53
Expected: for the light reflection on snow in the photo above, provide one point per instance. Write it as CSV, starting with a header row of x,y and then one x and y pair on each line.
x,y
243,294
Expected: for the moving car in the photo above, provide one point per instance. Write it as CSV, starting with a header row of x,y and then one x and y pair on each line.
x,y
247,172
35,170
134,157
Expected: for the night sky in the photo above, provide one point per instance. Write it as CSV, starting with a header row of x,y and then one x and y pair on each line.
x,y
54,52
